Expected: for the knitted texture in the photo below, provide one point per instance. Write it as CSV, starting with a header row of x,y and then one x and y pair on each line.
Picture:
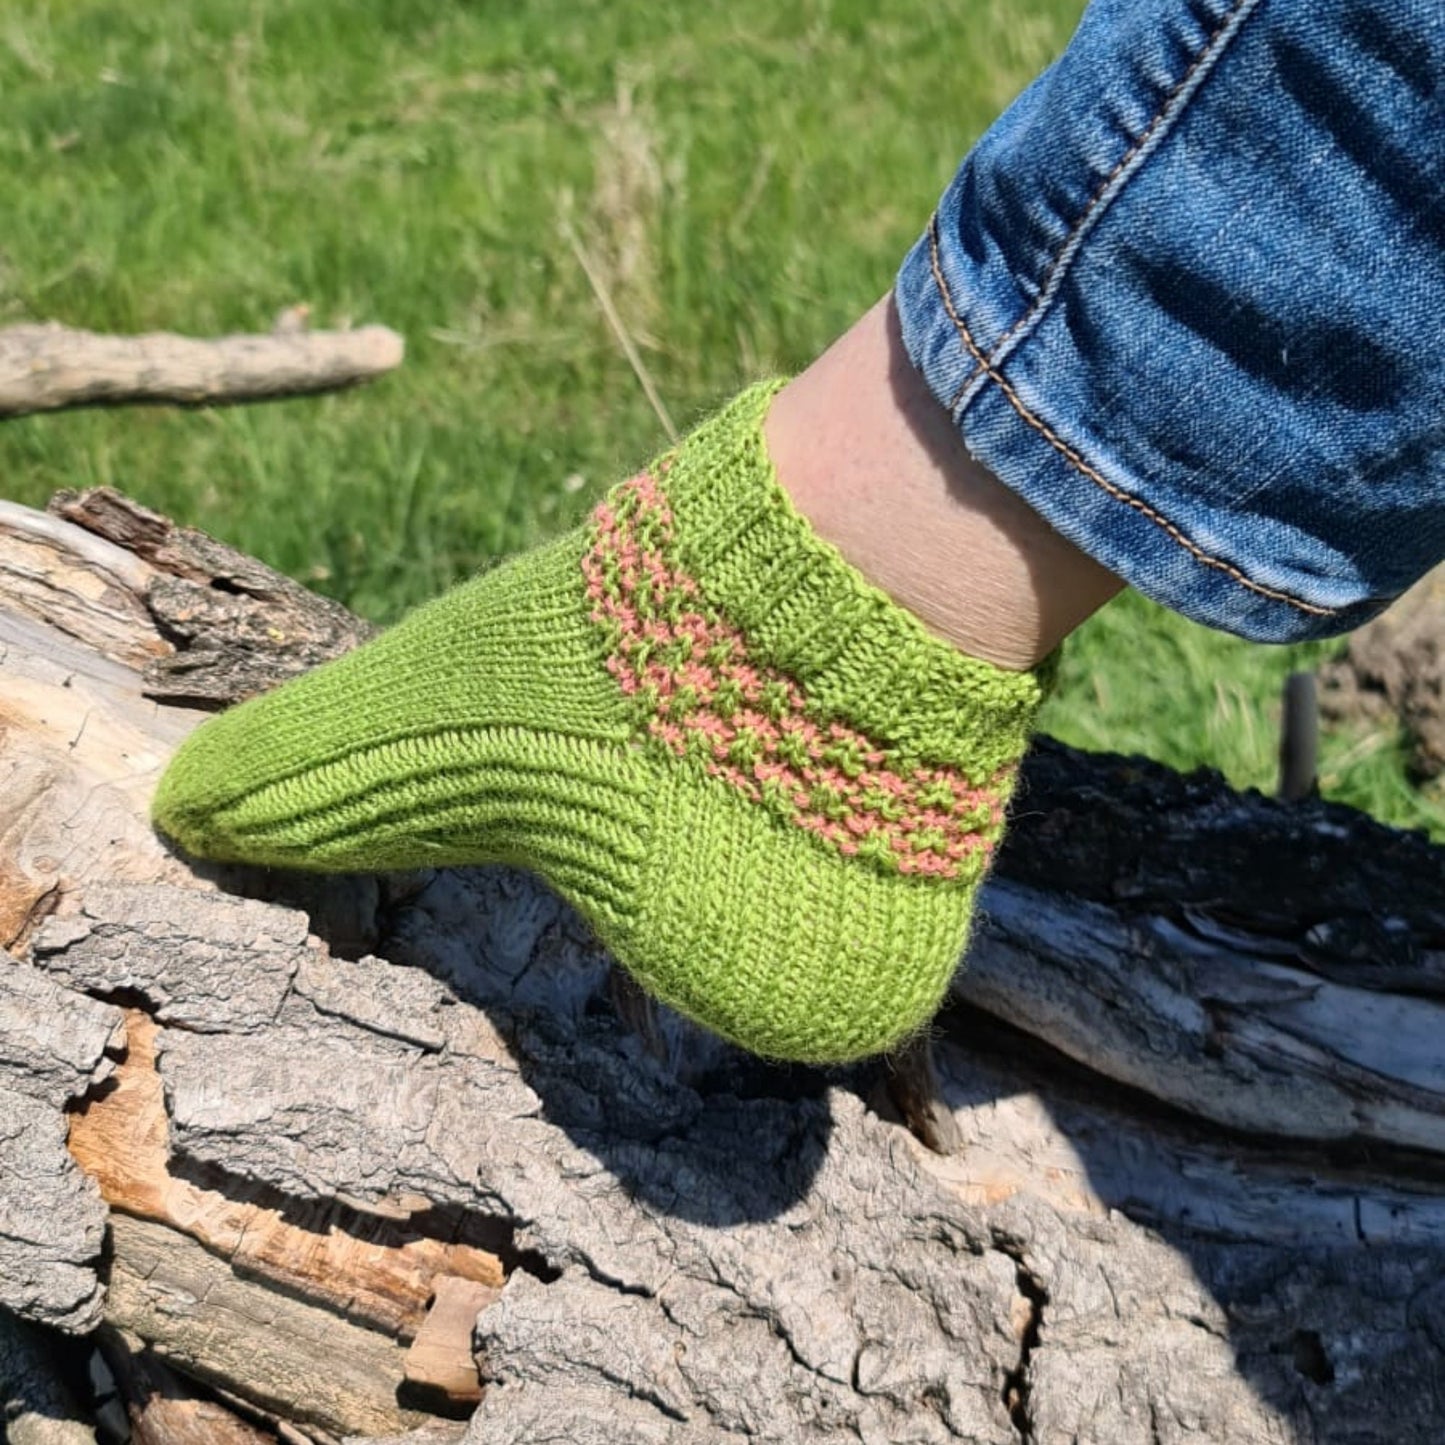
x,y
769,789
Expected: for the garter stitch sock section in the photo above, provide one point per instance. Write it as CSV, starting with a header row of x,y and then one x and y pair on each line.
x,y
770,790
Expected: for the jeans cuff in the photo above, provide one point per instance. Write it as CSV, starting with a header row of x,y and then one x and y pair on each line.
x,y
1187,556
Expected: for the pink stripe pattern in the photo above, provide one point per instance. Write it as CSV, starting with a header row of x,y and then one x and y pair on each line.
x,y
700,696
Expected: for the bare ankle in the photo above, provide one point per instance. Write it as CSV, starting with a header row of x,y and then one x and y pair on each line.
x,y
874,463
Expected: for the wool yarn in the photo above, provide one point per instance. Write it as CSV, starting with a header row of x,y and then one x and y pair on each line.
x,y
771,791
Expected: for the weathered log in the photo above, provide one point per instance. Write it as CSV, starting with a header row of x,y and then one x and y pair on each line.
x,y
49,367
220,625
162,1408
54,1044
374,1271
301,1361
1222,1220
37,1406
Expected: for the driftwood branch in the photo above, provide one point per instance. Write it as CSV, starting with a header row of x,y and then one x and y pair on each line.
x,y
50,367
1193,1077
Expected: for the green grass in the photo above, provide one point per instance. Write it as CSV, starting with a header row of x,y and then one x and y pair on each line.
x,y
1139,679
743,177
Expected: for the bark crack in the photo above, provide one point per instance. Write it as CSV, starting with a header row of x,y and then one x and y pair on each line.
x,y
597,1275
1017,1385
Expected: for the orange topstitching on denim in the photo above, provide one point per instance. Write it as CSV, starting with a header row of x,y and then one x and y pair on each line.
x,y
985,365
1206,53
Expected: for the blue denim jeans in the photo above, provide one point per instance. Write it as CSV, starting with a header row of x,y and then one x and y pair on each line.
x,y
1187,298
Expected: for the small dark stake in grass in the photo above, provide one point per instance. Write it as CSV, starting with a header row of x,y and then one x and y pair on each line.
x,y
742,180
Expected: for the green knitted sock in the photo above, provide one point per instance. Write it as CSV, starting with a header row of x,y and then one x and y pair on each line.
x,y
771,791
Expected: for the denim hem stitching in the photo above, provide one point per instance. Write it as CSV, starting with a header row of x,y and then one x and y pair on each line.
x,y
1075,460
1223,32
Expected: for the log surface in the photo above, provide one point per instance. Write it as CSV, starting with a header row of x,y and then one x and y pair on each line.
x,y
162,1408
298,1360
1201,1194
377,1272
36,1403
54,1045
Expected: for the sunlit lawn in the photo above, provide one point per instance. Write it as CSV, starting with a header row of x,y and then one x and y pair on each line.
x,y
741,179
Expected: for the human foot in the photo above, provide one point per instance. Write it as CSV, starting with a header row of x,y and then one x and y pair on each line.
x,y
770,789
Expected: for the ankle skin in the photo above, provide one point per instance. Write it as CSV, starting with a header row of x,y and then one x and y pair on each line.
x,y
875,464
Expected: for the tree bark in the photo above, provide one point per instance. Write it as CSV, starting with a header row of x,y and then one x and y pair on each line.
x,y
50,367
162,1408
36,1404
1194,1069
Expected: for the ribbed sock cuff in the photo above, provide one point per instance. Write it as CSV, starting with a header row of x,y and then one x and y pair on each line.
x,y
807,611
